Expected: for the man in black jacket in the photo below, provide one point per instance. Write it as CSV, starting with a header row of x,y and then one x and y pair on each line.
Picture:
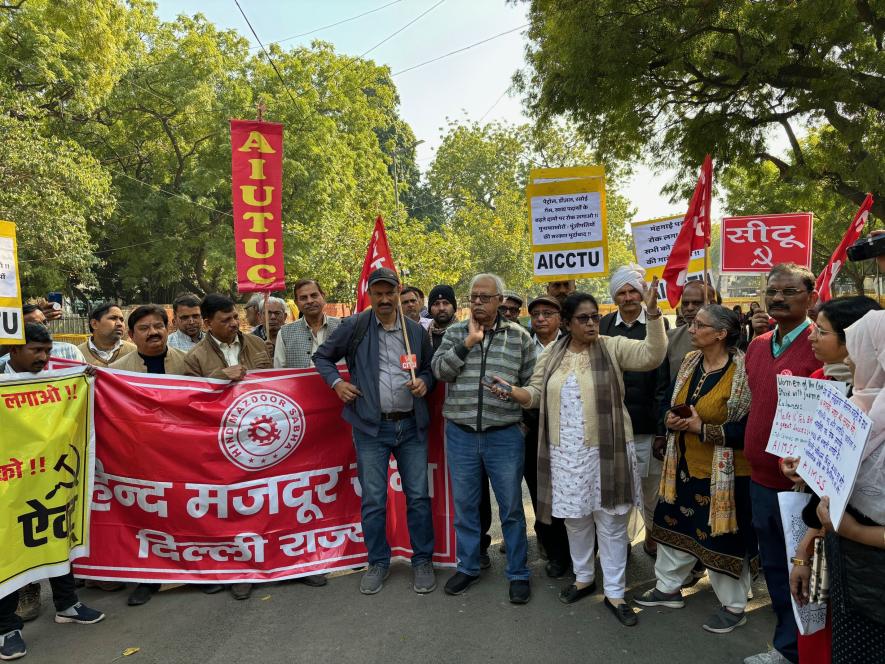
x,y
388,412
627,287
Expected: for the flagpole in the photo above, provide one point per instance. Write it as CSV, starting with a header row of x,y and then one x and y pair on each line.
x,y
402,319
706,290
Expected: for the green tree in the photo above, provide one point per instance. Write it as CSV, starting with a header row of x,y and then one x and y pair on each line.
x,y
672,81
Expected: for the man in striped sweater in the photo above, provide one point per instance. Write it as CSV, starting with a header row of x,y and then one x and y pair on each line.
x,y
785,350
483,432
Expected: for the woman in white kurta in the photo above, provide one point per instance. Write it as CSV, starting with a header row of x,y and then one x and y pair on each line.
x,y
587,470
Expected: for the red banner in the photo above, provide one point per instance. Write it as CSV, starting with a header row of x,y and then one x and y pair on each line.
x,y
377,255
257,188
201,481
826,278
755,244
693,235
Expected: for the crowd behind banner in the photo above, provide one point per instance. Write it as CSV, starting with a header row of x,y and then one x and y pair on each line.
x,y
614,422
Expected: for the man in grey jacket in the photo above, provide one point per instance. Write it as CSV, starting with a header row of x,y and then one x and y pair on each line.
x,y
389,415
483,432
298,341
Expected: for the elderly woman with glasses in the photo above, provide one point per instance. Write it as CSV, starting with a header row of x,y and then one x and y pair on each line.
x,y
587,471
704,507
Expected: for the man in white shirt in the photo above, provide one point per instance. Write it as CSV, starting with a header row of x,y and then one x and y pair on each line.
x,y
188,323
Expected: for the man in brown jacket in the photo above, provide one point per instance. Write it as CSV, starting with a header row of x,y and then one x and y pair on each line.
x,y
225,352
106,345
149,329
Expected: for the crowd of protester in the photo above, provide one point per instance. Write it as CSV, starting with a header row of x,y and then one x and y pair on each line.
x,y
602,416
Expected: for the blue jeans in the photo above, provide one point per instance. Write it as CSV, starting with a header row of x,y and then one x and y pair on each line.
x,y
773,551
501,454
372,457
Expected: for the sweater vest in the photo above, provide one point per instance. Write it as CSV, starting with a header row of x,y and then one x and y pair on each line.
x,y
763,369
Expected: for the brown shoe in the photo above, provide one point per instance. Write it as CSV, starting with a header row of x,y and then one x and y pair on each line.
x,y
29,602
650,547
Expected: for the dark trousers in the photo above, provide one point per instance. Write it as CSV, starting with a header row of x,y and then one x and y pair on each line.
x,y
64,596
553,537
485,513
773,551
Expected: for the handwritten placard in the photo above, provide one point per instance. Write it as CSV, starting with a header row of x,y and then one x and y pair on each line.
x,y
834,448
797,400
813,616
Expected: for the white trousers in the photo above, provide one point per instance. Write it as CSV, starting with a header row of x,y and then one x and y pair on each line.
x,y
650,472
673,566
611,533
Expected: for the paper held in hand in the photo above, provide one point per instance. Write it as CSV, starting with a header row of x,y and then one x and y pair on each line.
x,y
797,399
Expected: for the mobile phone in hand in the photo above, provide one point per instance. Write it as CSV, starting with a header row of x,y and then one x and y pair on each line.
x,y
682,410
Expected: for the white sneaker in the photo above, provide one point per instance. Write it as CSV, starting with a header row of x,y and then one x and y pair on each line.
x,y
770,657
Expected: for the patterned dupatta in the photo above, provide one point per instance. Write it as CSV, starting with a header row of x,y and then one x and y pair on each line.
x,y
723,515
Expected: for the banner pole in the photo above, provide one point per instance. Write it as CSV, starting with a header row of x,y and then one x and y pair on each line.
x,y
402,318
706,293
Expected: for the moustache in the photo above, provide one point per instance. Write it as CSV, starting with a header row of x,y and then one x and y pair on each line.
x,y
778,306
154,337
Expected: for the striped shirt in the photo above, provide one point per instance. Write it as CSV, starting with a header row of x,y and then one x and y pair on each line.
x,y
507,351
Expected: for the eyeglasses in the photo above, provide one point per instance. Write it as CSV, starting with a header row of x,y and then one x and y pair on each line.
x,y
818,331
786,292
584,319
509,310
482,297
544,313
697,324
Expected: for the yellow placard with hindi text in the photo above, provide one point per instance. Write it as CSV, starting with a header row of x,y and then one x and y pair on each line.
x,y
47,457
568,222
12,324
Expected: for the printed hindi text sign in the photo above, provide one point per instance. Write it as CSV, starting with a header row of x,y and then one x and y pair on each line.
x,y
257,187
653,240
12,326
797,400
266,487
569,228
812,617
834,449
46,461
753,245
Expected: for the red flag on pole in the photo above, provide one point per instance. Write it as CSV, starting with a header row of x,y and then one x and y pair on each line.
x,y
837,260
694,234
377,255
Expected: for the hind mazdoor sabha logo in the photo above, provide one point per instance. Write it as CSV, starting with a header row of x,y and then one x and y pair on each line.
x,y
260,429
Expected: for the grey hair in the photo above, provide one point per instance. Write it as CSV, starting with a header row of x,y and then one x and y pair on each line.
x,y
499,282
254,301
276,300
724,319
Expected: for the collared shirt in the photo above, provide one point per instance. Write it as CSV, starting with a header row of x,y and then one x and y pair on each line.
x,y
640,319
316,340
66,351
106,355
392,391
230,351
7,368
539,347
777,348
180,341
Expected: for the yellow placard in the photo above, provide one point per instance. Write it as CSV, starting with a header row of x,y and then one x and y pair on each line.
x,y
546,175
12,325
569,227
47,455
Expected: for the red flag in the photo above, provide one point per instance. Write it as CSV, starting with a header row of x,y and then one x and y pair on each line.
x,y
837,260
377,255
694,234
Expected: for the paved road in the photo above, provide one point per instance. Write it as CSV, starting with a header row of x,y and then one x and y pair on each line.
x,y
293,623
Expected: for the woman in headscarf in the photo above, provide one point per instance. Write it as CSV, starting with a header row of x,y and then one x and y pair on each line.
x,y
704,507
856,554
587,470
828,342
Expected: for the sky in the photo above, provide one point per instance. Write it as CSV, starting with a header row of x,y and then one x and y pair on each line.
x,y
472,84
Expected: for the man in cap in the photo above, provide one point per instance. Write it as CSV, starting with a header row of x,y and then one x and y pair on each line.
x,y
442,305
627,287
546,316
511,307
389,415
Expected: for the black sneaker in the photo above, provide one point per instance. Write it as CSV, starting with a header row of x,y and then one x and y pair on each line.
x,y
241,590
211,588
12,645
314,580
520,592
572,594
79,613
141,595
484,561
459,582
556,569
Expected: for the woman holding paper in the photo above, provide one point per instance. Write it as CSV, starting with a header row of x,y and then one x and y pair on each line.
x,y
704,510
856,554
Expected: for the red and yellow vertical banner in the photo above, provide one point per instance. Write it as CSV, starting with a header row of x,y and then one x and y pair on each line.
x,y
257,187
